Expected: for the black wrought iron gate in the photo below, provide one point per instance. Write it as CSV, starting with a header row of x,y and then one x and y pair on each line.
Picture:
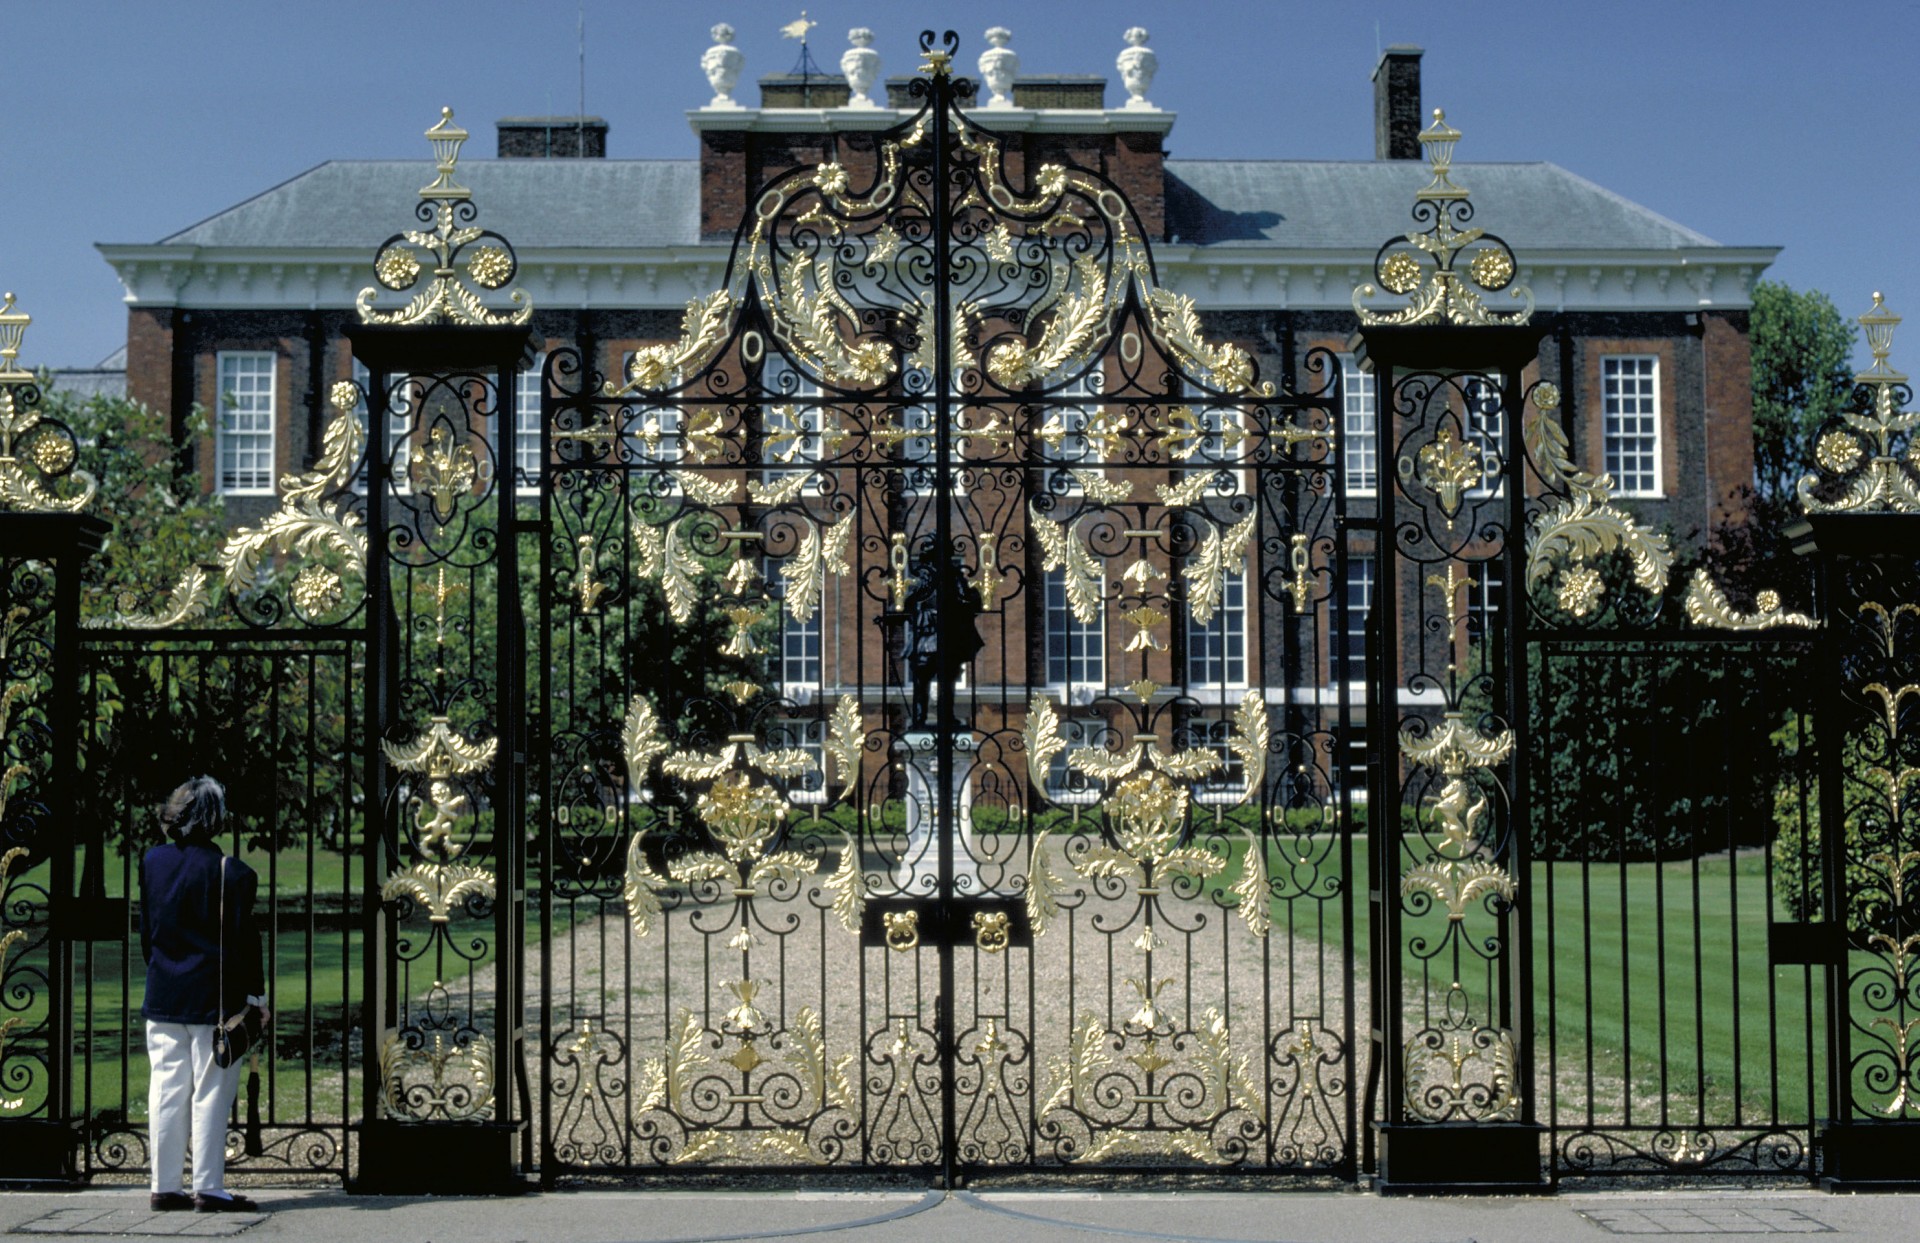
x,y
917,798
964,713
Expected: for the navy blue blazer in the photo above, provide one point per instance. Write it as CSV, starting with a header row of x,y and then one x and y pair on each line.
x,y
180,933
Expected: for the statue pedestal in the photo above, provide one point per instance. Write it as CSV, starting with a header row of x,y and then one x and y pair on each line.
x,y
917,871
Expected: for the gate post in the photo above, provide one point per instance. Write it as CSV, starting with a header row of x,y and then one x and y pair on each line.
x,y
46,542
1446,721
1863,507
445,840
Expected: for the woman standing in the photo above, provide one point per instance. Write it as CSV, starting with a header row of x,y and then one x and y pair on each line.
x,y
185,886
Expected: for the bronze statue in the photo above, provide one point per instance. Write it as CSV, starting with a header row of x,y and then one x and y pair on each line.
x,y
942,635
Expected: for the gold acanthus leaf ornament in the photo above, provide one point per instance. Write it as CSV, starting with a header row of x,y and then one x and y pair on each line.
x,y
1454,746
1708,606
807,312
439,887
1457,884
1062,548
1073,332
1582,523
189,600
304,524
1176,325
703,330
441,752
447,297
805,572
1220,555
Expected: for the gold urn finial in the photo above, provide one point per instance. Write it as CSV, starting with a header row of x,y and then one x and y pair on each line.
x,y
1879,323
1866,461
464,263
1438,139
1448,271
35,451
13,326
446,138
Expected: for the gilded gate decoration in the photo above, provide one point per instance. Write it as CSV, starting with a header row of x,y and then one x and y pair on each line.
x,y
853,901
951,739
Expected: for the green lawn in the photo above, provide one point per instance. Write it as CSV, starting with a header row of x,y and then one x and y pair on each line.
x,y
1652,985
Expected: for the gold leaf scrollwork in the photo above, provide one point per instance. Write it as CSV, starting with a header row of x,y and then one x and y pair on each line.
x,y
1437,289
439,887
305,524
1220,555
1707,605
189,600
447,298
1581,524
1073,332
703,330
1462,1075
1889,483
1160,1058
49,448
1062,548
444,1080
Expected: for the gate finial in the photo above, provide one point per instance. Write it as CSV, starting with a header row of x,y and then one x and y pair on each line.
x,y
1425,267
1868,450
28,439
451,297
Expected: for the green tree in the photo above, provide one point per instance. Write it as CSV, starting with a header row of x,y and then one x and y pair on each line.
x,y
1802,376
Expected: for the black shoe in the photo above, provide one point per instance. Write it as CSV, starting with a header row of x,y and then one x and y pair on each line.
x,y
229,1203
170,1201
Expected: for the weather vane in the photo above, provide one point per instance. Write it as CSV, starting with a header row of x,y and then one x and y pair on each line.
x,y
798,29
805,66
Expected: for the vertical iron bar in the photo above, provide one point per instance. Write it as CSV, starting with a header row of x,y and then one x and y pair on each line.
x,y
376,1003
945,823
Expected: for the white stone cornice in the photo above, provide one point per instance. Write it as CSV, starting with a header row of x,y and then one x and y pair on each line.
x,y
1230,277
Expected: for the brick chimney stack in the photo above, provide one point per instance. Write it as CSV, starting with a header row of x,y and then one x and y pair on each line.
x,y
552,138
1396,103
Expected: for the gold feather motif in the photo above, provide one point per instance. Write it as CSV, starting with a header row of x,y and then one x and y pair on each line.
x,y
1206,574
642,904
1063,549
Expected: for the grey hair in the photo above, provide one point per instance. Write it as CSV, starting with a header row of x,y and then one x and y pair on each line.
x,y
196,809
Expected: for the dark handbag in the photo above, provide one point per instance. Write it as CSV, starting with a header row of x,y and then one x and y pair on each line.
x,y
235,1035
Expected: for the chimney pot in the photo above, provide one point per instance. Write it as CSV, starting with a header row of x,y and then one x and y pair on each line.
x,y
1396,103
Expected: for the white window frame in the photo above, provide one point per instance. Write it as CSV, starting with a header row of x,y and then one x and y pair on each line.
x,y
255,404
1363,571
1094,631
1645,442
398,425
1359,428
1486,431
1227,626
525,454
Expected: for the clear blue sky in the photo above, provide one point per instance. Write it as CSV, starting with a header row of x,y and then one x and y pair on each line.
x,y
1762,123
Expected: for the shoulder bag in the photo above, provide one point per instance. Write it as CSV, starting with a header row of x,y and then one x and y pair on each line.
x,y
235,1035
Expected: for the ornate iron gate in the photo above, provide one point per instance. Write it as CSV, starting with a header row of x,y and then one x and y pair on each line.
x,y
915,798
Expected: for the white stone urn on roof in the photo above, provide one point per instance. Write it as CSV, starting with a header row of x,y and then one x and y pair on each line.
x,y
861,64
999,65
722,64
1137,64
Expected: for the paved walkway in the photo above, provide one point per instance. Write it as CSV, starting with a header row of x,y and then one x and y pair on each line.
x,y
973,1217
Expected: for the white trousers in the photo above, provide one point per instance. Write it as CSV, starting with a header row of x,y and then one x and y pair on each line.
x,y
187,1091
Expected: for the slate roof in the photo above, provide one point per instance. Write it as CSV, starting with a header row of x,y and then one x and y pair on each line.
x,y
1293,204
1357,205
537,204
